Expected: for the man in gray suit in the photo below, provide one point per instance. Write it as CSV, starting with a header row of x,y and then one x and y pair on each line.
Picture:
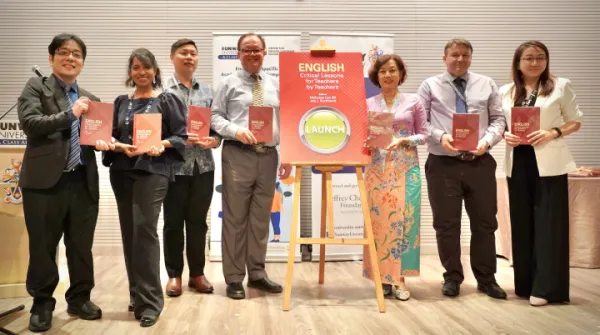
x,y
249,169
59,178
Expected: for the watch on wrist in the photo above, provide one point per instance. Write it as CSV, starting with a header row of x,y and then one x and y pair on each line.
x,y
558,131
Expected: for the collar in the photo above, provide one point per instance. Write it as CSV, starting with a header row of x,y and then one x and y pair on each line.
x,y
65,86
453,78
248,75
176,82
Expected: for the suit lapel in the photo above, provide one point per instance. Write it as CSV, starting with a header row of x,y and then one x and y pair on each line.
x,y
540,101
59,93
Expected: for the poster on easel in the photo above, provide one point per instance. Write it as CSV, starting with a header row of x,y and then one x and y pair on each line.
x,y
225,62
324,117
347,212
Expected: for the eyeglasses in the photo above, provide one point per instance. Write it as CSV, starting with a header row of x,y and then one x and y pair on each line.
x,y
66,52
530,59
251,51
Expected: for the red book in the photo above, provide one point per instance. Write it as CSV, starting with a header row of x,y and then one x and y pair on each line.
x,y
465,131
260,123
524,121
96,124
381,129
147,131
198,121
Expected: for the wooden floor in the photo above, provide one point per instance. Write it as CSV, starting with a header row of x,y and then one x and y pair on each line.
x,y
345,304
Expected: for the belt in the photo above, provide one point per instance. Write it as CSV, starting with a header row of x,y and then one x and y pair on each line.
x,y
75,169
257,148
466,157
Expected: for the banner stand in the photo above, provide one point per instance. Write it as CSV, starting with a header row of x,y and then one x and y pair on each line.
x,y
327,235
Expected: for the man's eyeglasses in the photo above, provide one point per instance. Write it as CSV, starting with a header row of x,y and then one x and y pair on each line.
x,y
66,52
530,59
252,51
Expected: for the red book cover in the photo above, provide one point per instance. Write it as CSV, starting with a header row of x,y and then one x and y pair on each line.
x,y
198,121
524,121
381,129
260,123
96,124
465,131
147,131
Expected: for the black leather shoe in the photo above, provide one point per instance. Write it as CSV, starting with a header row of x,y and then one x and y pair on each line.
x,y
493,290
236,291
86,311
40,320
148,320
450,288
266,284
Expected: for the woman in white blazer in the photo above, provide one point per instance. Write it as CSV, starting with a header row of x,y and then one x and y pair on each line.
x,y
537,176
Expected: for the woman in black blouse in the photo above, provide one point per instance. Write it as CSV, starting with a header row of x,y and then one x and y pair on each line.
x,y
140,180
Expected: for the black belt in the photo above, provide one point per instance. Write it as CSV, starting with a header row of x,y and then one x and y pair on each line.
x,y
78,168
257,148
466,157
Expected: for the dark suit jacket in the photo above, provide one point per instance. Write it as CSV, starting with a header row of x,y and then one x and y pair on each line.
x,y
44,116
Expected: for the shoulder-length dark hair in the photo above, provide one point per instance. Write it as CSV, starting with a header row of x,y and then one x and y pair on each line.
x,y
148,60
380,61
547,79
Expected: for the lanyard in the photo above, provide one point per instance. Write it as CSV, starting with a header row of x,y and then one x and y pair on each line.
x,y
129,109
458,93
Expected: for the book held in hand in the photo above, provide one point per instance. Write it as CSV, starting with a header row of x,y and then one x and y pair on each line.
x,y
524,121
147,131
198,121
381,129
465,131
96,123
260,123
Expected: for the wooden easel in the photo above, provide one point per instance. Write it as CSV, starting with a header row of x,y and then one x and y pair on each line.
x,y
327,227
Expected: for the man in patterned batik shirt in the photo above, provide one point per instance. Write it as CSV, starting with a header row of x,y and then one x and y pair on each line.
x,y
189,197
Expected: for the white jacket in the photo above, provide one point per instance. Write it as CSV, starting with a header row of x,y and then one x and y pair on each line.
x,y
554,157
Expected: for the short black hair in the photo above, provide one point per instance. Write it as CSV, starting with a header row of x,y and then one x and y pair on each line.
x,y
179,43
60,39
241,39
148,60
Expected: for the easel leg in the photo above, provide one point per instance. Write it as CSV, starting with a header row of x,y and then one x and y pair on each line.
x,y
293,235
370,238
324,201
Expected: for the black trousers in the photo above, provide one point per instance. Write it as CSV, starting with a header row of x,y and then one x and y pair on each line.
x,y
449,182
539,215
187,203
65,208
140,196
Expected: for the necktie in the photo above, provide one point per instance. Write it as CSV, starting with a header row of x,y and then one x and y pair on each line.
x,y
461,106
257,91
74,157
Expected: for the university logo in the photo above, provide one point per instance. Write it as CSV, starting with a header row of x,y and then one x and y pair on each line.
x,y
12,194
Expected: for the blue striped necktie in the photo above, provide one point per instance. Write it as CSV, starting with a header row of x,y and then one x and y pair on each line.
x,y
461,106
74,158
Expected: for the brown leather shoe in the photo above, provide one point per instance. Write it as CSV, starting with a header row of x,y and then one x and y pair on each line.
x,y
201,284
173,287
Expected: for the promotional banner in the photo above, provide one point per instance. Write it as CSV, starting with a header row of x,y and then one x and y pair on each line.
x,y
324,103
14,257
225,62
348,216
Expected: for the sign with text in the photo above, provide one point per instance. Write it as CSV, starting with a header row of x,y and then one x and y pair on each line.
x,y
323,108
12,135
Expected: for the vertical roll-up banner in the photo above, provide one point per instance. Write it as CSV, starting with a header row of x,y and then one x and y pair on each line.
x,y
225,62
